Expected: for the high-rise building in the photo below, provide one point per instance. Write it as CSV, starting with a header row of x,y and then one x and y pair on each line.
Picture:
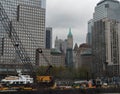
x,y
44,59
69,50
61,45
76,56
89,34
48,37
107,8
22,27
57,58
85,56
70,40
43,3
106,38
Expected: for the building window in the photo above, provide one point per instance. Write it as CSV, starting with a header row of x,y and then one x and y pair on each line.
x,y
106,5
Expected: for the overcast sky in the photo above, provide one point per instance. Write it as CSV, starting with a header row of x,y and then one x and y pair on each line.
x,y
63,14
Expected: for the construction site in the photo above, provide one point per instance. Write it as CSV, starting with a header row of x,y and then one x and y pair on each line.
x,y
22,41
21,34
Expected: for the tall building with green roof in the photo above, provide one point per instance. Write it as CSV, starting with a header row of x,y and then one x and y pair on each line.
x,y
69,50
70,39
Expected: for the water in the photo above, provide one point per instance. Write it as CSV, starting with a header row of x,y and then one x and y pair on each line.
x,y
109,93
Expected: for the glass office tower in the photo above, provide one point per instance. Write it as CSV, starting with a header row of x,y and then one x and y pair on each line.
x,y
27,18
106,38
107,9
49,37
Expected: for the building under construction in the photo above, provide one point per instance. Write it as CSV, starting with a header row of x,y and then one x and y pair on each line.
x,y
22,31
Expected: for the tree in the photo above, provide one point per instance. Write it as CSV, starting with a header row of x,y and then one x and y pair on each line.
x,y
66,73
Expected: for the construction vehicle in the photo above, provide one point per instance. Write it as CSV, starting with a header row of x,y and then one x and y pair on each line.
x,y
44,80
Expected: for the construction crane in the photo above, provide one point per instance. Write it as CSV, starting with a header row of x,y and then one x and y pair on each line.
x,y
45,80
9,28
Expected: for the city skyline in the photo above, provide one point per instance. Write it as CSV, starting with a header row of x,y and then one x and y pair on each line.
x,y
74,15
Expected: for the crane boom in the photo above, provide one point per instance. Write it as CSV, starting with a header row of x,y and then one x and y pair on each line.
x,y
7,24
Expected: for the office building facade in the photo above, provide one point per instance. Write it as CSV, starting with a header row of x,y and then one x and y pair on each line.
x,y
61,45
48,37
26,30
76,56
57,58
69,50
89,33
45,58
106,38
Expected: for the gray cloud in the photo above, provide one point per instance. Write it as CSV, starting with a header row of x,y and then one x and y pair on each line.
x,y
62,14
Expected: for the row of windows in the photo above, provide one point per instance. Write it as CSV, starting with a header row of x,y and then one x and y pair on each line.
x,y
28,2
35,24
33,9
30,28
33,2
31,14
11,9
34,17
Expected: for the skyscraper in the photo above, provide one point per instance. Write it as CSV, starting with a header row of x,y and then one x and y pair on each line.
x,y
70,40
48,37
69,50
89,34
106,38
107,8
60,45
22,27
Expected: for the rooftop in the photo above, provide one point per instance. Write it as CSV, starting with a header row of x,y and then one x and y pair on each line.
x,y
55,51
70,34
102,1
87,52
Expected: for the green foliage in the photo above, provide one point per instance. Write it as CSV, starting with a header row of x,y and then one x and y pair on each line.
x,y
65,73
41,70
